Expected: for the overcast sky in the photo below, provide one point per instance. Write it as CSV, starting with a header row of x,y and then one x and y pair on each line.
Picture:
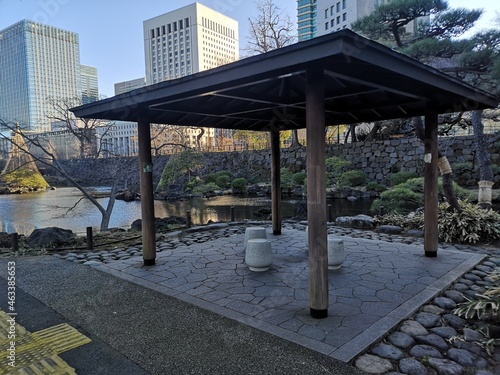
x,y
111,36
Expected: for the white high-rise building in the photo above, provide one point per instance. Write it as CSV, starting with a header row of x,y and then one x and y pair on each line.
x,y
185,41
188,40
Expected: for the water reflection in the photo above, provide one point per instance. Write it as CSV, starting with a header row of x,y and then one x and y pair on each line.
x,y
23,213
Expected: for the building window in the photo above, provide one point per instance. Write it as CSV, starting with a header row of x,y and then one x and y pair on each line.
x,y
344,5
338,20
338,7
344,17
186,21
152,33
326,25
326,13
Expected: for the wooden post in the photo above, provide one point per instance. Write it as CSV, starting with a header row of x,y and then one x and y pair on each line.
x,y
276,182
189,222
316,193
15,242
431,184
330,213
231,210
147,198
90,239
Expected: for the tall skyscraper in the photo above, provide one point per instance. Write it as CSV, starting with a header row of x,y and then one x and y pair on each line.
x,y
188,40
89,84
37,63
306,19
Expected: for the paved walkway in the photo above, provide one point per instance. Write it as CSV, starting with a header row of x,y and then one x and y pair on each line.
x,y
378,286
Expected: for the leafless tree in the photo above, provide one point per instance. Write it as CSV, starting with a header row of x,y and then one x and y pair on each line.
x,y
271,29
47,156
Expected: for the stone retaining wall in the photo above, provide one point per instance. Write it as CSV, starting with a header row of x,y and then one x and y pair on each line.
x,y
378,159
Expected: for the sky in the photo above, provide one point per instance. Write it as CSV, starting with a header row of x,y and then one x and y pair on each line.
x,y
111,33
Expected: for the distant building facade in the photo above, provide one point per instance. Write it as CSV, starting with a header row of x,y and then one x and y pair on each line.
x,y
186,41
37,62
125,86
89,84
320,17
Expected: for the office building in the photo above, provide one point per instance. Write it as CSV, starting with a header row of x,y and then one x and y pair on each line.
x,y
188,40
89,84
306,19
320,17
125,86
185,41
38,62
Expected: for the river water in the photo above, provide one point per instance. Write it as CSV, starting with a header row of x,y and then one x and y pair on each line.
x,y
26,212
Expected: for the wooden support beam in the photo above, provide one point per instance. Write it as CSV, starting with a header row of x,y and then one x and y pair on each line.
x,y
431,184
316,194
147,198
276,181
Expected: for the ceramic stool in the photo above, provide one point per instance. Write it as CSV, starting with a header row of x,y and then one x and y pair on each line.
x,y
254,232
258,255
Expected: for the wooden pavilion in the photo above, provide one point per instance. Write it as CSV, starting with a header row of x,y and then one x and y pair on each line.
x,y
340,78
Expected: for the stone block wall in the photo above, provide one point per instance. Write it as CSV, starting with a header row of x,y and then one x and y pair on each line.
x,y
378,159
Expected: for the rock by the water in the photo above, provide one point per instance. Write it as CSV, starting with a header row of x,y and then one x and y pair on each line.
x,y
52,236
358,221
390,229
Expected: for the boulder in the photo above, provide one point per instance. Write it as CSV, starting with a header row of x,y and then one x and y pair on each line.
x,y
51,236
161,224
358,221
127,196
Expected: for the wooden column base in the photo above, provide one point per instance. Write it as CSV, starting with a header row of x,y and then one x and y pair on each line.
x,y
319,314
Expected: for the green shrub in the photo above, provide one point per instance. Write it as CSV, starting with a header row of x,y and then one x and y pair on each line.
x,y
286,178
459,168
239,184
352,178
299,178
214,176
398,200
25,178
417,185
402,176
335,166
375,186
204,189
222,181
470,225
192,184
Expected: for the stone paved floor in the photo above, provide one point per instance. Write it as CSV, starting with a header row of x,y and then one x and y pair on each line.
x,y
379,285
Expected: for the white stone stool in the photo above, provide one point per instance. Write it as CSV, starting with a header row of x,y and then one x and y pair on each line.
x,y
336,253
254,232
258,255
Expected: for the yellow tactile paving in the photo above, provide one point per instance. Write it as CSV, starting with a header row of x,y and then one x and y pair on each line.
x,y
37,353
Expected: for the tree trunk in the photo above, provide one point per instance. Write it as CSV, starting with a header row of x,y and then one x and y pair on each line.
x,y
444,168
106,215
484,161
295,139
371,136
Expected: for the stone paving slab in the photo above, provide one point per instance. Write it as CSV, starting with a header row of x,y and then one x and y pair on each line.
x,y
378,286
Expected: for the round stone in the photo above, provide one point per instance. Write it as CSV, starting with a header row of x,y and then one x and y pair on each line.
x,y
413,328
411,366
471,335
455,295
445,303
428,320
445,332
373,365
454,321
465,358
433,309
446,367
387,351
401,340
421,351
432,340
